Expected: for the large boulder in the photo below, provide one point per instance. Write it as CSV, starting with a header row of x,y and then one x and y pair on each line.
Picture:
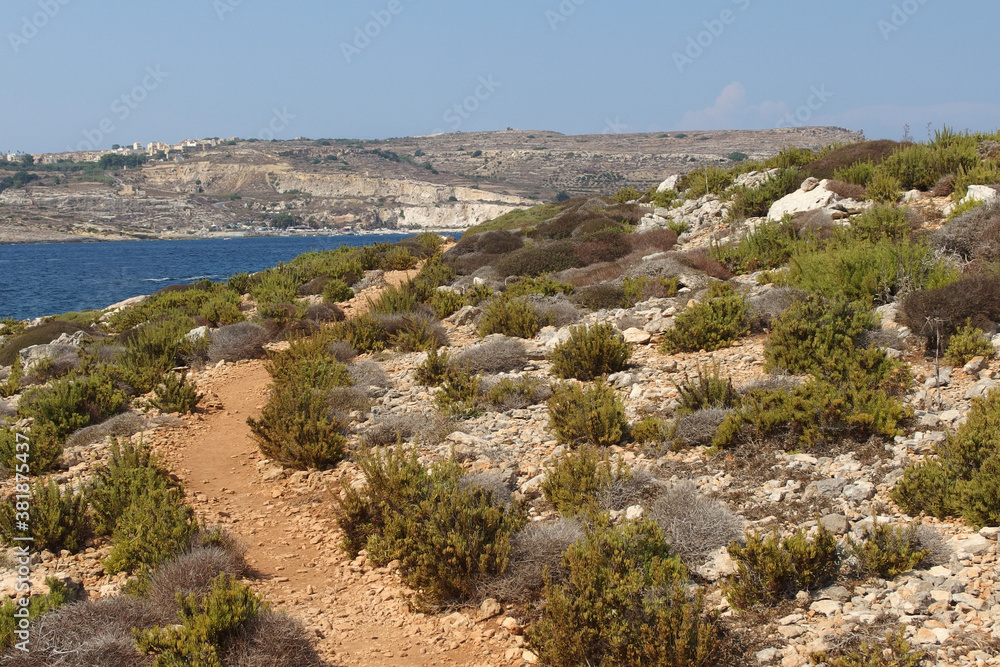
x,y
983,193
669,184
812,196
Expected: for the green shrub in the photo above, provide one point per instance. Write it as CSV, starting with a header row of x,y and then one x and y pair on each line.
x,y
13,384
710,325
543,285
206,626
446,302
755,202
337,291
153,528
773,568
365,333
32,453
575,482
176,394
880,222
240,282
966,343
73,402
896,652
308,363
516,393
590,352
416,333
883,187
707,390
278,285
433,370
767,246
447,537
985,173
477,294
859,173
510,317
592,415
700,182
297,430
650,431
460,395
815,334
393,300
872,272
130,473
59,595
965,478
152,350
58,520
625,195
886,550
223,308
624,604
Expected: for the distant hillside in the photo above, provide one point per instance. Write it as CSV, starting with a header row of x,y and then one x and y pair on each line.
x,y
447,181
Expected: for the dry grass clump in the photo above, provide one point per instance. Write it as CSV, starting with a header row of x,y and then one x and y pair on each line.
x,y
271,639
192,573
84,634
593,274
345,400
493,483
325,312
944,187
845,156
535,549
879,338
342,351
700,260
428,430
930,540
243,340
496,354
974,235
369,374
698,428
554,311
123,425
652,241
694,525
849,190
624,491
606,296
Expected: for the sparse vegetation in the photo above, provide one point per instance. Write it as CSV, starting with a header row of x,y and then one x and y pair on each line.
x,y
590,352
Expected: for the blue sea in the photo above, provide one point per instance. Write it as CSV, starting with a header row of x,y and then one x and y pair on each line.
x,y
55,278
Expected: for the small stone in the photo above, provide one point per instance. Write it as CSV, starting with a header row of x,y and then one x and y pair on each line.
x,y
975,365
989,533
859,491
490,608
835,523
974,544
767,656
838,593
634,513
826,607
635,336
529,657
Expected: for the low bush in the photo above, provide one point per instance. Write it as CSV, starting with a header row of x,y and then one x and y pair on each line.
x,y
590,352
624,604
369,374
296,429
414,332
554,311
707,390
578,481
694,526
594,415
206,626
536,551
698,428
886,550
447,538
815,334
122,425
650,431
965,478
72,403
514,393
538,259
849,190
37,605
496,355
710,325
699,259
33,453
864,152
337,291
364,333
543,285
58,519
973,235
176,394
883,187
774,568
768,246
130,472
14,382
765,308
756,201
652,241
510,317
223,308
933,312
460,395
272,638
882,222
446,303
324,312
155,526
153,349
434,369
42,334
243,340
192,573
968,342
605,296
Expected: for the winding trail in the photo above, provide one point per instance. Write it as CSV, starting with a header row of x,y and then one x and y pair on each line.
x,y
288,523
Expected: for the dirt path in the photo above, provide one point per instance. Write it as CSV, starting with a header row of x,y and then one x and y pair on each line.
x,y
288,523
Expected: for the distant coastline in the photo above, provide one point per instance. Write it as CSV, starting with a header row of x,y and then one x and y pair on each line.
x,y
72,239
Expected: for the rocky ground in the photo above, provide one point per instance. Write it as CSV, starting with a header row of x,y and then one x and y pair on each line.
x,y
361,615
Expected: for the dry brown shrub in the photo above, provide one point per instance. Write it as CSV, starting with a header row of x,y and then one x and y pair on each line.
x,y
694,525
944,187
698,428
652,241
496,354
342,351
605,296
272,639
123,425
975,298
700,260
554,311
369,374
592,275
493,483
849,190
314,286
325,312
344,400
390,430
766,307
602,247
192,573
974,235
243,340
845,156
535,549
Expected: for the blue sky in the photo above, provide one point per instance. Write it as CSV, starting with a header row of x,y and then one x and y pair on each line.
x,y
76,73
